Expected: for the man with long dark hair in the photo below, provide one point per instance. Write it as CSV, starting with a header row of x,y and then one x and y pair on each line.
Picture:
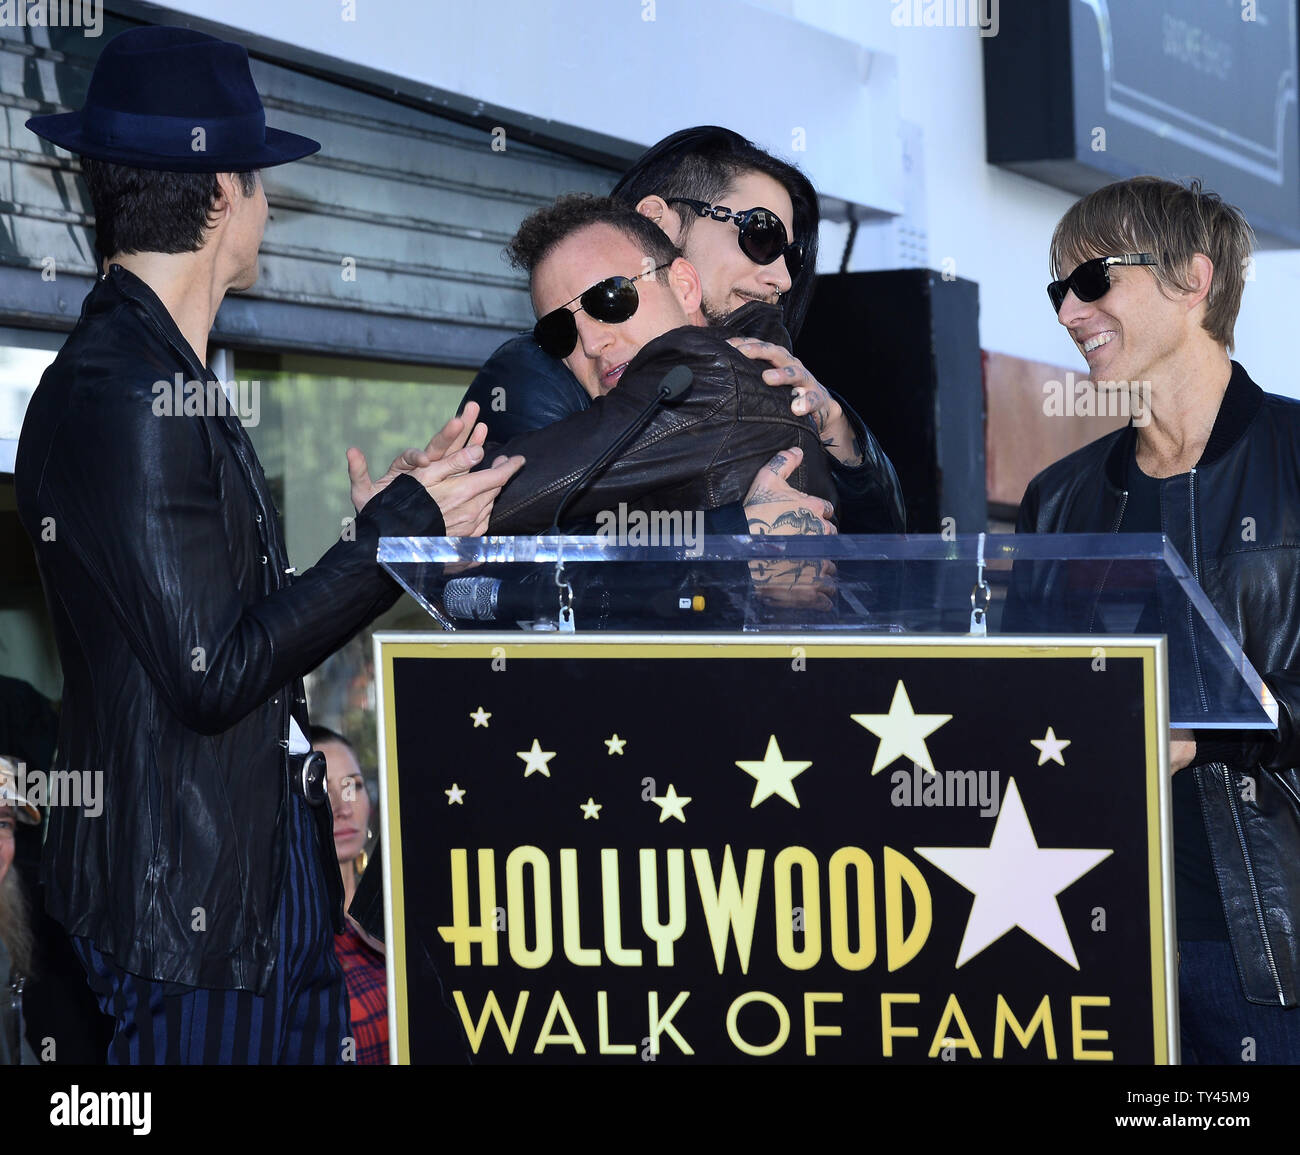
x,y
711,191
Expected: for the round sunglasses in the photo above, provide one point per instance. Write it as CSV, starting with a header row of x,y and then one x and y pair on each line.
x,y
762,235
1091,280
613,301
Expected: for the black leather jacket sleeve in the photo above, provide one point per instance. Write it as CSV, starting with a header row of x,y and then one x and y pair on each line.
x,y
137,500
871,500
520,389
1278,752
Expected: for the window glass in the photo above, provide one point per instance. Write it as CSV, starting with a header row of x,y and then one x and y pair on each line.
x,y
304,414
27,649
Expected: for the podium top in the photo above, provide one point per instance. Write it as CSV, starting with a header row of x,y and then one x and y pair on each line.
x,y
1040,586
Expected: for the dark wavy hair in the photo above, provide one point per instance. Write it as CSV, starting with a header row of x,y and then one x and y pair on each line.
x,y
548,226
701,164
142,211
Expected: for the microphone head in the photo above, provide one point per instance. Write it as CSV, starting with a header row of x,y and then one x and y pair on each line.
x,y
472,599
676,382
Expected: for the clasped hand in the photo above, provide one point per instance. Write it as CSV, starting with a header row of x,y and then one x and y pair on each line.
x,y
443,467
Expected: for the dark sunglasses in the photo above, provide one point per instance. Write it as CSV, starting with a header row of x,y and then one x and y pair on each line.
x,y
1091,280
762,235
613,301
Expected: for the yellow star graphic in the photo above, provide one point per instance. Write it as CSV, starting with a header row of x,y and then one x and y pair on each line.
x,y
902,732
671,804
616,744
455,795
480,717
590,809
774,775
535,759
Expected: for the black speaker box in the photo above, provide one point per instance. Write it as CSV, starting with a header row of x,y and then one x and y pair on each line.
x,y
902,347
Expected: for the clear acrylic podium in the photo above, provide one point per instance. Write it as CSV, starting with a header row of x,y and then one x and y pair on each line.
x,y
1032,586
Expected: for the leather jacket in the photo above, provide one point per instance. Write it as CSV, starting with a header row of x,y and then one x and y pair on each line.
x,y
183,638
1235,519
521,389
697,453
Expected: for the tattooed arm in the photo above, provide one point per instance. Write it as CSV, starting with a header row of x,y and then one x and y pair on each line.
x,y
776,507
870,498
773,505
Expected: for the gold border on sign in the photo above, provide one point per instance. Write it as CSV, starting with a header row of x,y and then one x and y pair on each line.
x,y
1151,651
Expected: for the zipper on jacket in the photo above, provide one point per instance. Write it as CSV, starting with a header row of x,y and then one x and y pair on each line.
x,y
1119,515
1101,585
1250,879
1196,573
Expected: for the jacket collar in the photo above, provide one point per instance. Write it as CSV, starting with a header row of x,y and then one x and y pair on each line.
x,y
755,319
1241,403
127,284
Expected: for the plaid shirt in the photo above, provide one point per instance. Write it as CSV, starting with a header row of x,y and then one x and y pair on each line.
x,y
363,970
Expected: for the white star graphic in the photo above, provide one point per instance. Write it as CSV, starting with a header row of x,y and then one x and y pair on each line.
x,y
455,795
1015,882
1050,747
774,775
480,717
616,744
902,732
590,809
535,759
671,804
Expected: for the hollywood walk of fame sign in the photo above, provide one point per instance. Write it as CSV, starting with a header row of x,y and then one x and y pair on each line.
x,y
628,849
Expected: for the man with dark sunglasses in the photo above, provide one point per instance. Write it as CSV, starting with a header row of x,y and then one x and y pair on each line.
x,y
748,224
619,304
1155,277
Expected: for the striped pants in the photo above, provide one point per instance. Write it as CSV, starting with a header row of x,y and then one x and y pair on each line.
x,y
302,1018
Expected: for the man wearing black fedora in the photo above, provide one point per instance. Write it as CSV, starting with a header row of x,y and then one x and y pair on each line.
x,y
202,901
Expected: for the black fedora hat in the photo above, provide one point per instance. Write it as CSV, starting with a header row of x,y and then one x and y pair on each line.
x,y
176,100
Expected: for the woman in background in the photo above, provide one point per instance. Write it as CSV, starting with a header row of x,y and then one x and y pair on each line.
x,y
363,965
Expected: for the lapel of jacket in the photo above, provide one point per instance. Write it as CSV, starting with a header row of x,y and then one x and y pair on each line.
x,y
228,425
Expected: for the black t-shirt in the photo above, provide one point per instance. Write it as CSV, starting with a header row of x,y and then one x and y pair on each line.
x,y
1200,909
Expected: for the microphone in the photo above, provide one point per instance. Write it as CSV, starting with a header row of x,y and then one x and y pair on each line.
x,y
672,387
471,599
534,598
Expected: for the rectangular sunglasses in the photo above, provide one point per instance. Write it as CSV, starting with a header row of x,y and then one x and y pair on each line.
x,y
1091,280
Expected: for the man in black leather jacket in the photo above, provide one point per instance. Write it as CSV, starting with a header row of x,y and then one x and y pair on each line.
x,y
520,389
202,900
1217,469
